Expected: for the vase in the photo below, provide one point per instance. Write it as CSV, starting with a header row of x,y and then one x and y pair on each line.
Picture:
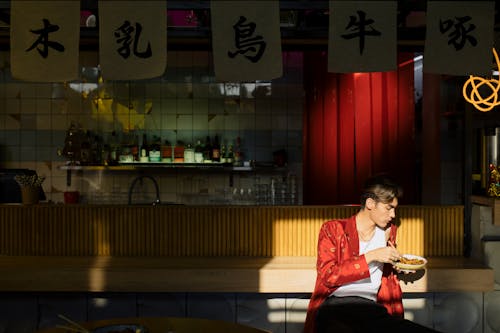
x,y
29,195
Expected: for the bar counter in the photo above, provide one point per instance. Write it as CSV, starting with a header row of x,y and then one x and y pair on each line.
x,y
209,248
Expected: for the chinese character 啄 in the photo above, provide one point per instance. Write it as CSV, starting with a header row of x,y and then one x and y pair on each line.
x,y
43,39
124,35
459,36
244,41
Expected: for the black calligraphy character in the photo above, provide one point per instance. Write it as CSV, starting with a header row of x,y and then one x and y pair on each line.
x,y
360,28
123,35
459,36
43,39
245,42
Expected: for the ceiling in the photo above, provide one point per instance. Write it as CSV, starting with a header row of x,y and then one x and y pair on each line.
x,y
304,24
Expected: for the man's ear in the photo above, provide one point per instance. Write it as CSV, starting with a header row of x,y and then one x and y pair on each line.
x,y
370,203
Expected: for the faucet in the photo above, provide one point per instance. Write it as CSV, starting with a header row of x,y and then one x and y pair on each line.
x,y
140,178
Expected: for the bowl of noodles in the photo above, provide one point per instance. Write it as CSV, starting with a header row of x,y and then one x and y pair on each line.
x,y
410,262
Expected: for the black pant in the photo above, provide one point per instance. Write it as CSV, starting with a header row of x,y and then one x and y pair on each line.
x,y
358,314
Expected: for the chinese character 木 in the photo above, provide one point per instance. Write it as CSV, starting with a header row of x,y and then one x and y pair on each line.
x,y
360,27
459,35
43,39
244,41
124,36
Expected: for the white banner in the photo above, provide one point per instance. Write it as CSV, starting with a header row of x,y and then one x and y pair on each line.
x,y
459,37
132,39
246,40
362,36
44,40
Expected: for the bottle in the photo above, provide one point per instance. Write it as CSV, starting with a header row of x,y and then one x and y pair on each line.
x,y
207,151
179,152
230,155
134,150
216,150
96,151
237,153
223,153
198,152
85,149
155,150
189,153
114,149
144,149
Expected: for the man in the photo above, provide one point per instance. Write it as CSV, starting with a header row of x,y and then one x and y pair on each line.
x,y
357,289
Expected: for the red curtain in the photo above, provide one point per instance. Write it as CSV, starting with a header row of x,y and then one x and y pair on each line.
x,y
357,125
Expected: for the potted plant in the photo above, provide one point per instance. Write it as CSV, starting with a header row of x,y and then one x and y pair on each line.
x,y
30,188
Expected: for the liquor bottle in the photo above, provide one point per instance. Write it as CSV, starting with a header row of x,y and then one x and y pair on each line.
x,y
188,153
114,149
216,150
207,151
155,150
230,155
85,152
238,158
134,150
223,153
198,152
96,151
144,149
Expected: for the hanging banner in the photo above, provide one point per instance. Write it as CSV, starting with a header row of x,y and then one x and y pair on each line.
x,y
246,40
459,37
132,39
362,36
44,40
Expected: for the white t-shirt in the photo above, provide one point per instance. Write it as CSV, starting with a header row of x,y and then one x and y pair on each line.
x,y
367,288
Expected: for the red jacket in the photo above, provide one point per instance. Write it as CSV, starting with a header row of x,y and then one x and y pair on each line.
x,y
339,263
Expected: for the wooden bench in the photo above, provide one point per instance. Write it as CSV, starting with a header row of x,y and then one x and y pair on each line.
x,y
213,274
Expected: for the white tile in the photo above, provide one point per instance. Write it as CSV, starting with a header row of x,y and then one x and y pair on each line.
x,y
418,308
112,306
161,305
200,106
491,312
18,313
212,306
296,310
458,312
263,311
72,306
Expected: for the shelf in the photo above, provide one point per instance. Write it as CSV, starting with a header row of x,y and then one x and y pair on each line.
x,y
158,165
135,166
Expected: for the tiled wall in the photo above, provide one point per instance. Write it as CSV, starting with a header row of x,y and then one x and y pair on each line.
x,y
186,104
472,312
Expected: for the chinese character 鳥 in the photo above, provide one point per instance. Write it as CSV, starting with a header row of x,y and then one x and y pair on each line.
x,y
458,34
244,41
124,36
43,39
360,27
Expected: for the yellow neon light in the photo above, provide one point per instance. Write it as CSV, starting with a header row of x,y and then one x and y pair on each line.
x,y
481,103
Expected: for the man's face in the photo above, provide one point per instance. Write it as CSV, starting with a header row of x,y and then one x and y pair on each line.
x,y
382,213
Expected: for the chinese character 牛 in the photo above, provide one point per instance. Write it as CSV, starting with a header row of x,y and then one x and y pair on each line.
x,y
360,27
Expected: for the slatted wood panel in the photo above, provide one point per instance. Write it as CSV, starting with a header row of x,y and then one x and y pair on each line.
x,y
207,231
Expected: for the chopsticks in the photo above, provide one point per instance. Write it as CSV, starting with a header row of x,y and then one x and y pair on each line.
x,y
74,327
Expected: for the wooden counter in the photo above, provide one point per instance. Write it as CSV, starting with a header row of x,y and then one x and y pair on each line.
x,y
207,231
80,248
208,274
